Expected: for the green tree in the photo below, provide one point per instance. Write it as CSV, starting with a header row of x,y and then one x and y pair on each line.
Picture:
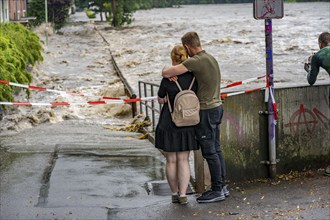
x,y
19,48
122,12
99,6
58,12
118,12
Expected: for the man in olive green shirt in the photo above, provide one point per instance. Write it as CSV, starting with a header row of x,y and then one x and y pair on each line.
x,y
207,72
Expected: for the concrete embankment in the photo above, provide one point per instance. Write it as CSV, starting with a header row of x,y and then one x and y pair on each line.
x,y
302,131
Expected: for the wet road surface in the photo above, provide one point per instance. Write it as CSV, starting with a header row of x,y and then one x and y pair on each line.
x,y
77,170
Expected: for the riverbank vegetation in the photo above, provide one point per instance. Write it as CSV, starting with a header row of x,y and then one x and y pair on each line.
x,y
116,12
19,48
120,12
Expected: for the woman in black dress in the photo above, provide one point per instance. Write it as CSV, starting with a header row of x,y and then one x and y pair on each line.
x,y
176,142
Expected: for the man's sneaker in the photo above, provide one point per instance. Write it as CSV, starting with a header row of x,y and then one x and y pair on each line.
x,y
327,172
183,200
211,196
175,198
225,191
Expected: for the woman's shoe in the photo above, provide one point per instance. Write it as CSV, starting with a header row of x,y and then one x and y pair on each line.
x,y
175,199
183,200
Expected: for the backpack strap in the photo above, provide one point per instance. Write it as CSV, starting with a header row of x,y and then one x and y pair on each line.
x,y
168,98
191,84
178,85
168,103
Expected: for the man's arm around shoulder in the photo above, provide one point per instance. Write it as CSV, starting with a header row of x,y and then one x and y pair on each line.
x,y
176,70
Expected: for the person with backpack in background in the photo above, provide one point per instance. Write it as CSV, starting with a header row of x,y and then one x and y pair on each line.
x,y
207,72
176,142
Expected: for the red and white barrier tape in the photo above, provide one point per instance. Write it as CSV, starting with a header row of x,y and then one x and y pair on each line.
x,y
243,82
121,101
274,104
224,95
108,100
55,91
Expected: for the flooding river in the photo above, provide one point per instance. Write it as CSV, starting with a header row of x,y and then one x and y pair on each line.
x,y
230,33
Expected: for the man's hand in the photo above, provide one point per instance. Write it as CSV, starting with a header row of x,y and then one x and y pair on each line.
x,y
307,67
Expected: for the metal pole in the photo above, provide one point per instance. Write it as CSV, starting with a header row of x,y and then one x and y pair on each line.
x,y
46,19
2,14
25,8
270,76
16,6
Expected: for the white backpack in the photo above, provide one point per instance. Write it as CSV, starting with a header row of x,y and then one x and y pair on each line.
x,y
186,107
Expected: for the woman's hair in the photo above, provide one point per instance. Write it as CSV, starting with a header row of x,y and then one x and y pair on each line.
x,y
324,38
191,39
178,54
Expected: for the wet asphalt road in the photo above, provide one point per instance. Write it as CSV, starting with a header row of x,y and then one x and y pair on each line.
x,y
77,170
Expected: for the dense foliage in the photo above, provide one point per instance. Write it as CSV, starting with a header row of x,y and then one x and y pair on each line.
x,y
19,48
58,12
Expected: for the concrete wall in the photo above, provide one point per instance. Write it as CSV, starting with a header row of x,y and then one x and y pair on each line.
x,y
302,131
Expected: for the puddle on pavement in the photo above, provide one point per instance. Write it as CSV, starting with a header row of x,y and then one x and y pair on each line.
x,y
7,158
107,181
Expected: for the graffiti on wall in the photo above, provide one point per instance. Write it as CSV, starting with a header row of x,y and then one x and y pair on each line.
x,y
235,126
307,119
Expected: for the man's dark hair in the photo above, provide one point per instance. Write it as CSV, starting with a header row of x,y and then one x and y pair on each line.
x,y
324,38
191,39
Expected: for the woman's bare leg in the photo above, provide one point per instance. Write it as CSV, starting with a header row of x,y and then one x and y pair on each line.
x,y
171,171
183,171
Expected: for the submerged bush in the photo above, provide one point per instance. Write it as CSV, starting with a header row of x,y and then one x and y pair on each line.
x,y
19,48
90,13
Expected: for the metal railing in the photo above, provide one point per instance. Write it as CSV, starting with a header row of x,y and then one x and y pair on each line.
x,y
128,89
150,109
